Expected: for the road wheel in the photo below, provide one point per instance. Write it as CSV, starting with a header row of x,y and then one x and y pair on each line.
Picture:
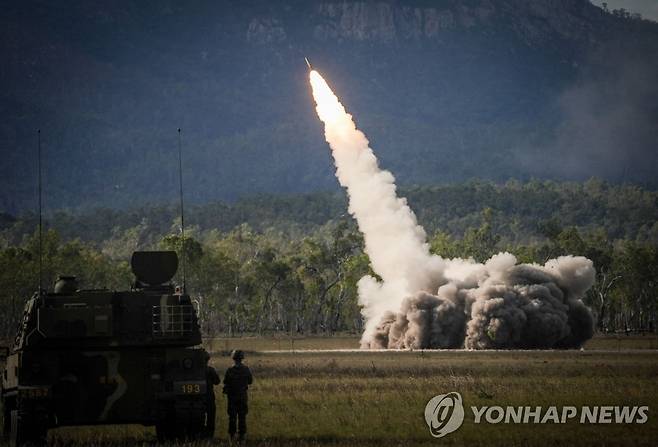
x,y
18,429
176,425
6,420
27,430
195,427
165,430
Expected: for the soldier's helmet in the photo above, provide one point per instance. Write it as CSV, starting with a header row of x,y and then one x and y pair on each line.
x,y
237,355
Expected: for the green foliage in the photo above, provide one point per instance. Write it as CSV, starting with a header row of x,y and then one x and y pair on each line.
x,y
519,213
636,294
20,275
267,273
480,243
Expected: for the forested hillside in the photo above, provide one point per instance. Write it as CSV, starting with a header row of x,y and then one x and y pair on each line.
x,y
291,263
519,212
445,90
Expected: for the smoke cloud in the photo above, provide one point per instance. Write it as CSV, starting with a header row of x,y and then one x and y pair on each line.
x,y
421,300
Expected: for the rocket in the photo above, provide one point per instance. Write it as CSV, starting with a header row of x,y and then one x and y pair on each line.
x,y
308,63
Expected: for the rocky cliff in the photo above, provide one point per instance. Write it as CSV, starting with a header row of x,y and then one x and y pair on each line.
x,y
535,21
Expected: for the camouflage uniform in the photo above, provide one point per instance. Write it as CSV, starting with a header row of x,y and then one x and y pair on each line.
x,y
236,382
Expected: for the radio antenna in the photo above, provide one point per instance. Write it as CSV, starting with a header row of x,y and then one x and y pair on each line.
x,y
40,213
182,209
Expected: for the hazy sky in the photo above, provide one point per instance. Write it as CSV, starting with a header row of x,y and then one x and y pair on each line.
x,y
648,8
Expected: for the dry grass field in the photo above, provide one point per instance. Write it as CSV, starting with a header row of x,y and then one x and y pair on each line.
x,y
310,398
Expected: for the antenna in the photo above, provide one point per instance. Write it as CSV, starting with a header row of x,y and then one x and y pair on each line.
x,y
182,213
40,213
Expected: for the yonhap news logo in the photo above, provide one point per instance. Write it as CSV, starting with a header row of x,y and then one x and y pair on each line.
x,y
445,413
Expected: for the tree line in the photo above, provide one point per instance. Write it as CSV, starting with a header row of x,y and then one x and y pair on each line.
x,y
301,278
518,210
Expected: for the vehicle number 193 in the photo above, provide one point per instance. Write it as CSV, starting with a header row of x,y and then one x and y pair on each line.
x,y
190,388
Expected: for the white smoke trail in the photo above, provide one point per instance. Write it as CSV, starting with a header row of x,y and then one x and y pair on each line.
x,y
426,301
394,241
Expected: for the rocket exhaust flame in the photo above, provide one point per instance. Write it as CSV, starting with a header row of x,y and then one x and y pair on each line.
x,y
425,301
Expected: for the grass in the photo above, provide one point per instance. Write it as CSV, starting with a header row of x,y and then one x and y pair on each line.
x,y
278,342
378,398
281,342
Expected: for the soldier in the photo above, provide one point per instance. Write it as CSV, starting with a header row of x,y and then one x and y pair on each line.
x,y
212,379
236,382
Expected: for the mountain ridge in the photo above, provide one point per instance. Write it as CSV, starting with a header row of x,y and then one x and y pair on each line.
x,y
445,91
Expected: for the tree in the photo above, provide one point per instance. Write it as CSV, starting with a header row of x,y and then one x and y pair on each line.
x,y
481,243
638,285
442,244
272,272
324,268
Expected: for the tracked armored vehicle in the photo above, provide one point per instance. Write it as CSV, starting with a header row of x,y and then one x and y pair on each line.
x,y
88,357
